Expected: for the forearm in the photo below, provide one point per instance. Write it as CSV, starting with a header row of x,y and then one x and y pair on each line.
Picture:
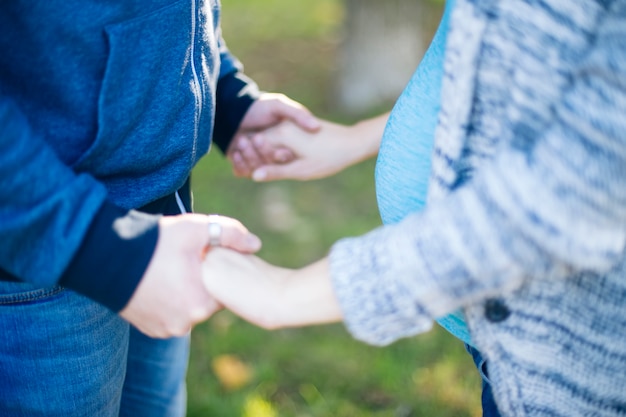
x,y
46,208
368,134
234,95
269,296
309,297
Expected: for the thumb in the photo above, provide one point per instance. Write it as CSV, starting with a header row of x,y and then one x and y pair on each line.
x,y
233,235
292,170
241,241
299,115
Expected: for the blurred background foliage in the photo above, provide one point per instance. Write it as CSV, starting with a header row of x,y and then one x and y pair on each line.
x,y
239,370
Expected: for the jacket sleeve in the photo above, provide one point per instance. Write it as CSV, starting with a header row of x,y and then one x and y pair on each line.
x,y
547,205
57,226
235,93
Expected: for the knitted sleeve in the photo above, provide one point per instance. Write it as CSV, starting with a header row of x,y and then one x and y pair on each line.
x,y
546,205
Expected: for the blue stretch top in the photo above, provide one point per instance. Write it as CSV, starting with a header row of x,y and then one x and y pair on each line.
x,y
403,166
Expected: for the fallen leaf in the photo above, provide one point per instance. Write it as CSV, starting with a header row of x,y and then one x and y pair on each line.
x,y
231,372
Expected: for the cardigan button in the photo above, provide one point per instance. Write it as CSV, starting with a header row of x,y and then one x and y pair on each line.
x,y
496,311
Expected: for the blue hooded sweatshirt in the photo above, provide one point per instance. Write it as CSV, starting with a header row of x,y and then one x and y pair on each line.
x,y
105,107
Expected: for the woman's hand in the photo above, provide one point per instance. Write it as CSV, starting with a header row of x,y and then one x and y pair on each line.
x,y
286,151
269,296
269,110
246,285
304,155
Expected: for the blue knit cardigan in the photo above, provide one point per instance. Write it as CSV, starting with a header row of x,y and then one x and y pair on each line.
x,y
525,224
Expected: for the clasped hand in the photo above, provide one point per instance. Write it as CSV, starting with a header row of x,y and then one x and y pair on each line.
x,y
171,298
277,139
269,296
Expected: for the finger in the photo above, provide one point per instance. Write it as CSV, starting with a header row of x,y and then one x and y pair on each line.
x,y
200,303
234,235
240,167
292,170
273,151
300,115
240,241
263,148
214,306
203,312
178,331
249,153
283,155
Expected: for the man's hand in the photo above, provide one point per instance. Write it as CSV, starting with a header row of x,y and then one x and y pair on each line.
x,y
171,297
269,110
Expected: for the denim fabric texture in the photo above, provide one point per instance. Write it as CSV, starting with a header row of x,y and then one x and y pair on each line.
x,y
61,354
64,355
73,357
155,377
105,107
490,409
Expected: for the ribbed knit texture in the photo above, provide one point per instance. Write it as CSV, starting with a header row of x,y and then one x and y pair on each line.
x,y
527,204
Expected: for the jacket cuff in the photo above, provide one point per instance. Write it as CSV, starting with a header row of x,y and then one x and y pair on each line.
x,y
234,95
113,256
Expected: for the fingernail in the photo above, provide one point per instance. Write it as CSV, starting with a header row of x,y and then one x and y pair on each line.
x,y
259,175
257,140
314,123
254,242
282,156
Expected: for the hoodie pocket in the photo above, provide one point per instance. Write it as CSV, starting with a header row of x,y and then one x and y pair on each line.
x,y
155,108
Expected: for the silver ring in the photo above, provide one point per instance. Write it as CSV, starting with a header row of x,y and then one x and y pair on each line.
x,y
215,232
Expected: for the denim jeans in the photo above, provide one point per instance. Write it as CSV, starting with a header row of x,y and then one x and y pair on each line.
x,y
488,403
62,354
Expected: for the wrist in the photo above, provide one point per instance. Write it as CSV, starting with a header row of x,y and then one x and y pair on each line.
x,y
128,236
309,297
370,133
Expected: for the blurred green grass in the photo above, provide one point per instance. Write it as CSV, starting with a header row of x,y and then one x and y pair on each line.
x,y
290,46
